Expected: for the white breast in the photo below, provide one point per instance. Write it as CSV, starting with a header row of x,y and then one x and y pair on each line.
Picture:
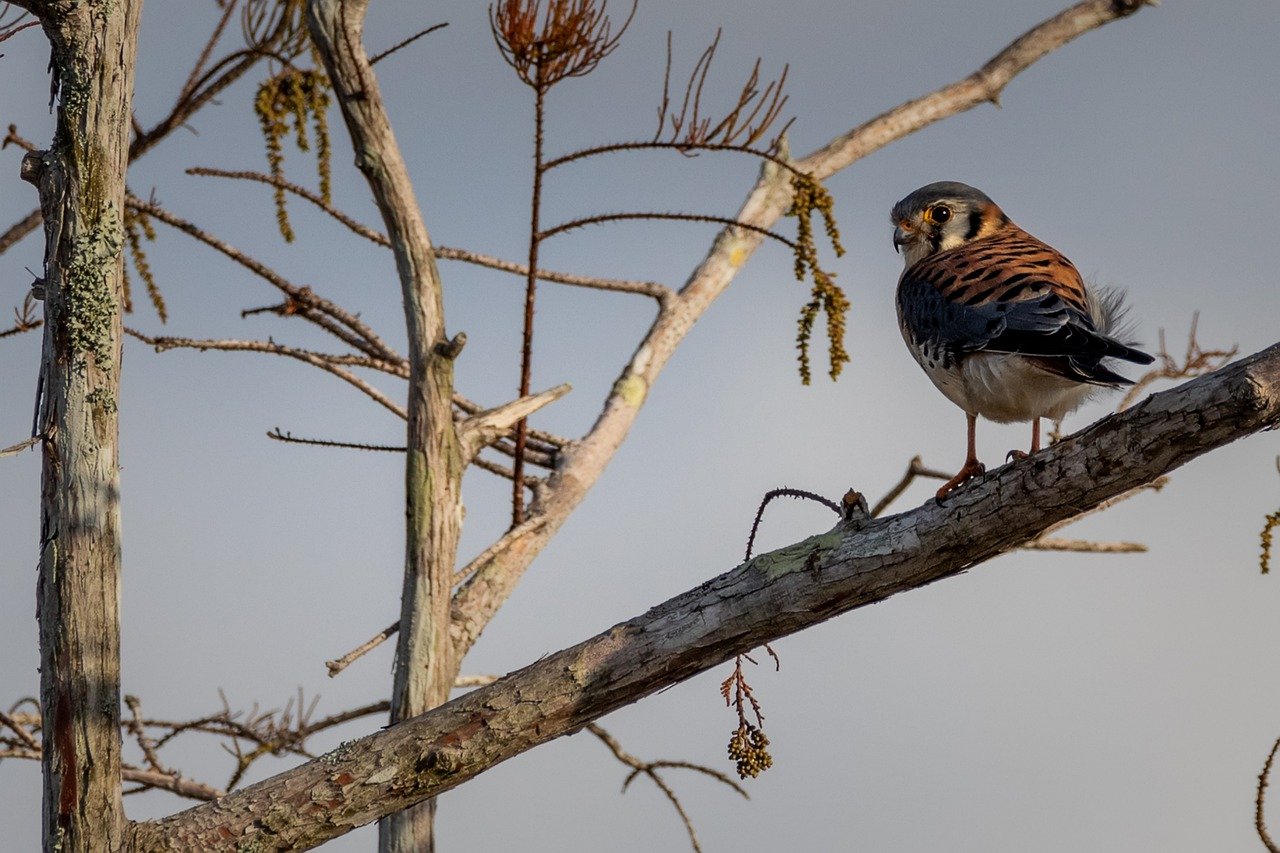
x,y
1003,387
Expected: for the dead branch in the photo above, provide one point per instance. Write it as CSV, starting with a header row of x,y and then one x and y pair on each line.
x,y
915,468
378,57
289,438
1083,546
429,754
651,768
337,665
482,429
301,301
739,123
1196,361
1259,821
326,362
641,288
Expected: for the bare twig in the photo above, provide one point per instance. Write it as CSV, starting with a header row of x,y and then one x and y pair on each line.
x,y
602,218
337,665
915,468
18,230
689,128
652,289
361,336
20,730
529,525
1084,546
1195,362
329,363
1259,821
651,768
15,449
290,438
14,138
378,57
642,288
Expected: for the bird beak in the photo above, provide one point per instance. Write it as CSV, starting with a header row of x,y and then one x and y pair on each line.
x,y
901,236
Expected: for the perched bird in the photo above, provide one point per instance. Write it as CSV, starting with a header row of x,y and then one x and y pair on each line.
x,y
1001,322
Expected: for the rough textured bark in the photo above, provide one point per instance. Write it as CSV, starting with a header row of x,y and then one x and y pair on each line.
x,y
425,668
855,564
81,184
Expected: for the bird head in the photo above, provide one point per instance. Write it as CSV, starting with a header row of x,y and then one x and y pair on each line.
x,y
942,216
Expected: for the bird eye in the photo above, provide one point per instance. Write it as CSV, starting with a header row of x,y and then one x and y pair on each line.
x,y
937,214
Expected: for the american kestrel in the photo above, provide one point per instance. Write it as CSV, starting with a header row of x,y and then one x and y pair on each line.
x,y
1001,322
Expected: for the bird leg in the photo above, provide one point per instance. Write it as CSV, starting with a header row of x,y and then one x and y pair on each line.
x,y
1035,442
972,467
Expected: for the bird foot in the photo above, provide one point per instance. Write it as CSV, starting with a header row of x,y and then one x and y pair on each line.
x,y
972,468
1018,455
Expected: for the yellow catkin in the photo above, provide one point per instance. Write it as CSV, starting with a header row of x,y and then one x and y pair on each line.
x,y
1272,522
826,297
294,97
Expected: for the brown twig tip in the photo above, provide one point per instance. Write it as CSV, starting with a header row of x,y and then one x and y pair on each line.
x,y
746,122
853,508
570,41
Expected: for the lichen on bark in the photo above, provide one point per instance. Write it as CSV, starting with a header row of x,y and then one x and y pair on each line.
x,y
91,301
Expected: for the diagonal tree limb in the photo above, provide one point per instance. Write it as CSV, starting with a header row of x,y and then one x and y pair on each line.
x,y
479,599
855,564
484,428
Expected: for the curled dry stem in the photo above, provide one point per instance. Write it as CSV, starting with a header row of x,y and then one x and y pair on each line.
x,y
651,768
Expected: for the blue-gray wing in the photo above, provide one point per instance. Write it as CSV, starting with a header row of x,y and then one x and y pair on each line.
x,y
1008,293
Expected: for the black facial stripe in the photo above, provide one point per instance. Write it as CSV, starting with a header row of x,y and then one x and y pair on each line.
x,y
975,223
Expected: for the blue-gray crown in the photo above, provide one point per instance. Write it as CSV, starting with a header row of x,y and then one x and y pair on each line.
x,y
927,195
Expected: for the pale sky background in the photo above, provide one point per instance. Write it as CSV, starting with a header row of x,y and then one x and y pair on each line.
x,y
1040,702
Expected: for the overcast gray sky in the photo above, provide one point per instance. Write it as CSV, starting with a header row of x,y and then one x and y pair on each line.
x,y
1040,702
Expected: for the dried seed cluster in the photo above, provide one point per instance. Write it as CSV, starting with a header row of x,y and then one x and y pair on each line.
x,y
749,747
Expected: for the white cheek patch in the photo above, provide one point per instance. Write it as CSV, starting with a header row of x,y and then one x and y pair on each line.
x,y
950,239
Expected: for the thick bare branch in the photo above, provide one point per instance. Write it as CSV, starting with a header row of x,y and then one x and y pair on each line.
x,y
774,595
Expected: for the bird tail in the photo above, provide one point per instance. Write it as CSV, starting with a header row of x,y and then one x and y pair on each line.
x,y
1111,320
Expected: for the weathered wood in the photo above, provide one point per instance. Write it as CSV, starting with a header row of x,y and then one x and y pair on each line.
x,y
81,185
425,666
775,594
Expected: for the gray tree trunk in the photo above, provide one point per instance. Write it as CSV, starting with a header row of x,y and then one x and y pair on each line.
x,y
81,185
